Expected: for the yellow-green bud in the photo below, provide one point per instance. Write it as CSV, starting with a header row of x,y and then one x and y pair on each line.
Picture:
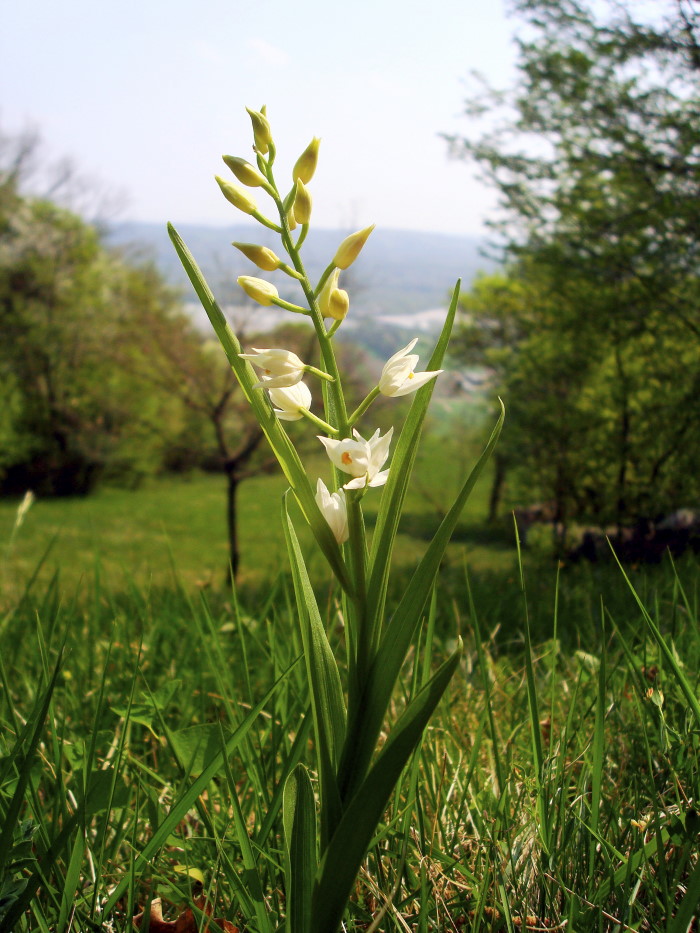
x,y
291,218
350,248
263,257
244,171
338,304
258,289
302,203
237,196
333,301
305,165
261,130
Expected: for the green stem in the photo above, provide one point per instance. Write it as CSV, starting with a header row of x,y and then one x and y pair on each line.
x,y
302,235
319,422
318,372
363,406
281,303
283,267
266,222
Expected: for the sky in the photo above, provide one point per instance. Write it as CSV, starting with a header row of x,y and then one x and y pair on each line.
x,y
146,95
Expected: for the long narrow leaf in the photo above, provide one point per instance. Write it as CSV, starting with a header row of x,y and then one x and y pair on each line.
x,y
365,725
284,450
299,811
327,703
402,462
342,859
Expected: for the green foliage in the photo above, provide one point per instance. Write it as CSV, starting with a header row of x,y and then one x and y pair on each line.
x,y
593,328
70,313
128,782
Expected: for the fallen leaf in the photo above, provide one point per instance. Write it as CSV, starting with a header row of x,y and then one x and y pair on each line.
x,y
185,923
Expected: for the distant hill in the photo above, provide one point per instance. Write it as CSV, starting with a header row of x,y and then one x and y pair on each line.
x,y
399,272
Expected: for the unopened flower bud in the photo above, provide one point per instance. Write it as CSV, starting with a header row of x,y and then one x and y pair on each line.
x,y
302,203
262,256
339,304
258,289
237,196
350,248
261,130
333,301
305,165
246,173
291,218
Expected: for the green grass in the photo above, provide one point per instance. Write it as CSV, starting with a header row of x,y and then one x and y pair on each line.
x,y
603,833
179,523
556,786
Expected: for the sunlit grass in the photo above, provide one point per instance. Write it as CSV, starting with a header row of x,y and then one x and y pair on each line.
x,y
603,837
179,524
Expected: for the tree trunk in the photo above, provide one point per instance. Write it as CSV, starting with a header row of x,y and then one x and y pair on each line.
x,y
232,523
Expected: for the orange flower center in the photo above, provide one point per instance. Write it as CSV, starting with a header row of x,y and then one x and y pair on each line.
x,y
346,458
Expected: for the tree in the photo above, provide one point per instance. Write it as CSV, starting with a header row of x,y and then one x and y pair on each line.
x,y
598,169
71,415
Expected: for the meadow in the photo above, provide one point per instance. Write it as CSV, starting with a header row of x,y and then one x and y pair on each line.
x,y
148,714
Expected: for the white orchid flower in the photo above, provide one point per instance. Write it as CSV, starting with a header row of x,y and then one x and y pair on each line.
x,y
281,368
334,509
398,377
360,458
289,401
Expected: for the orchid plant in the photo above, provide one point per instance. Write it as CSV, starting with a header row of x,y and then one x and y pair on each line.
x,y
329,832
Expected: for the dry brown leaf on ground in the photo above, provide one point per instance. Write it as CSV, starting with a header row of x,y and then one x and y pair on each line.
x,y
185,923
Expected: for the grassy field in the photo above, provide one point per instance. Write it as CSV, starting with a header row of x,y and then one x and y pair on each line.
x,y
556,787
175,528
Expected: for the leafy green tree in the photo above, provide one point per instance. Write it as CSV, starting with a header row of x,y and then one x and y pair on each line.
x,y
598,168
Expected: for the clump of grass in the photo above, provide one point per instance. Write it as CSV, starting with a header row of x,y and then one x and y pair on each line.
x,y
557,785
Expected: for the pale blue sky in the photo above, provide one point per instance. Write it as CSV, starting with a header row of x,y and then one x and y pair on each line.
x,y
146,95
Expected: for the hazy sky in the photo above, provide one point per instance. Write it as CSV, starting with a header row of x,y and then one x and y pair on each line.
x,y
146,95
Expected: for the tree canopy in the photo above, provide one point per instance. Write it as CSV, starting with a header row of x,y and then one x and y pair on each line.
x,y
593,330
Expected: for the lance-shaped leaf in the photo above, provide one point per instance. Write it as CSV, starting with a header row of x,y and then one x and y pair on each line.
x,y
399,475
366,720
299,817
327,702
347,848
282,447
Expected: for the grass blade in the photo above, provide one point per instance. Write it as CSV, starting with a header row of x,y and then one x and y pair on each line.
x,y
187,799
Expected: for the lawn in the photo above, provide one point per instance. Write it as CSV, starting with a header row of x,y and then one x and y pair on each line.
x,y
175,527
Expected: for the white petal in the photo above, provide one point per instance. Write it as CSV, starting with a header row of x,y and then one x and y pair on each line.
x,y
380,478
418,380
380,449
358,483
279,382
400,353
